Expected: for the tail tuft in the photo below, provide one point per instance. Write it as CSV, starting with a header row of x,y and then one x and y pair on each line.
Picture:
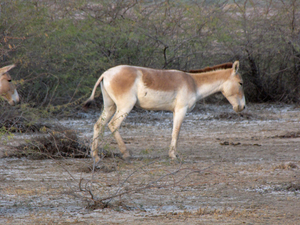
x,y
92,97
87,103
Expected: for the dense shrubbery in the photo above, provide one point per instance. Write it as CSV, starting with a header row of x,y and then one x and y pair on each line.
x,y
62,46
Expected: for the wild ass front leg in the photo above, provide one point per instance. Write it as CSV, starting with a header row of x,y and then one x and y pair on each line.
x,y
178,117
99,128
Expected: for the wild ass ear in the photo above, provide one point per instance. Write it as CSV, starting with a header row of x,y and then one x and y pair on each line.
x,y
6,68
235,67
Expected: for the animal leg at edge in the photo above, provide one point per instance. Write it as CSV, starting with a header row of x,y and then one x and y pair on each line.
x,y
178,117
114,125
99,128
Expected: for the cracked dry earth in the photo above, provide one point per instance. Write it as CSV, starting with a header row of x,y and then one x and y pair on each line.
x,y
234,169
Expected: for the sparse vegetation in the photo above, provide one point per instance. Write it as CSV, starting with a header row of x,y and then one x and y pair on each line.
x,y
252,177
57,142
61,47
20,120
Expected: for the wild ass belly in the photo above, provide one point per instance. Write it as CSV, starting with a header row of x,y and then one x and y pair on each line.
x,y
155,99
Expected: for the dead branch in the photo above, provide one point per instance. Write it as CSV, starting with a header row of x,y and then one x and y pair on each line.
x,y
151,185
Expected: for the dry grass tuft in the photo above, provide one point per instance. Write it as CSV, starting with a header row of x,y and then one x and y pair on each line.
x,y
103,169
236,116
290,186
294,134
288,166
57,143
15,121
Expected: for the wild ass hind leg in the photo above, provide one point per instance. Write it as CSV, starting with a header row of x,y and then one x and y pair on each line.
x,y
178,117
114,126
99,126
109,109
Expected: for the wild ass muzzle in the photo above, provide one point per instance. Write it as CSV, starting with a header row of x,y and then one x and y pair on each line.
x,y
7,89
124,87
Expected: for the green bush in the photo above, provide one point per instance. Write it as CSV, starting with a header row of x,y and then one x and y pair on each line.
x,y
62,47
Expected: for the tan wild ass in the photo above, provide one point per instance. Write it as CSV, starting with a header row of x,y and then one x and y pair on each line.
x,y
7,89
124,86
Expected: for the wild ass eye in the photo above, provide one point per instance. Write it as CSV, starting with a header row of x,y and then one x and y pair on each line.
x,y
9,80
241,83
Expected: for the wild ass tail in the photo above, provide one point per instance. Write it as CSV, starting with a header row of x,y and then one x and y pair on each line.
x,y
89,101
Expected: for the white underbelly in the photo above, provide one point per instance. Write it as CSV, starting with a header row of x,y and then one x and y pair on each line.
x,y
156,100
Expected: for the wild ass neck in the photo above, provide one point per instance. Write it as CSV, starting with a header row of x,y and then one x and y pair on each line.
x,y
210,82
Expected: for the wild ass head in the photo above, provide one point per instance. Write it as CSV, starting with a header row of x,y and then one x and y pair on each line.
x,y
233,89
7,89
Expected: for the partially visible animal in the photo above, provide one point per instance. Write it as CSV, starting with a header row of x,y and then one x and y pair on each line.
x,y
7,89
124,87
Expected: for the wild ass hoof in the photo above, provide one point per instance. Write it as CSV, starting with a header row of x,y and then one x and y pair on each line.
x,y
172,155
127,156
96,159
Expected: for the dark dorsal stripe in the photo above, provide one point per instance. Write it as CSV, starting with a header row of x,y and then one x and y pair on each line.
x,y
217,67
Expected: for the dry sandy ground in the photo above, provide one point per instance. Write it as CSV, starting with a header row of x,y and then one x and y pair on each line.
x,y
234,169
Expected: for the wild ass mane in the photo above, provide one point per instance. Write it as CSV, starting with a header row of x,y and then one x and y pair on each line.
x,y
223,66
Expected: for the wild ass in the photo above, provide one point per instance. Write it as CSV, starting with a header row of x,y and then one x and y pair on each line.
x,y
7,89
125,86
